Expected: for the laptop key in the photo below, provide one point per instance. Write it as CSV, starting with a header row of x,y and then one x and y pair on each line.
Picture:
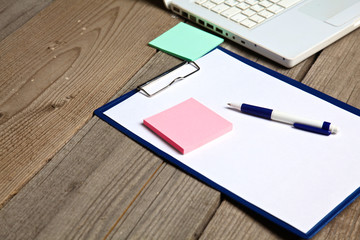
x,y
257,8
256,18
217,1
265,3
248,23
230,12
275,8
265,14
238,17
248,12
220,8
243,5
251,2
208,4
231,3
287,3
200,1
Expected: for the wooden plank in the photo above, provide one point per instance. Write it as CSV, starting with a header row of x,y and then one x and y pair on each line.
x,y
58,68
102,184
233,221
14,13
336,72
175,206
83,188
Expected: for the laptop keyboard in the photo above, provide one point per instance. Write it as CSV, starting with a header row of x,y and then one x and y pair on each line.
x,y
248,13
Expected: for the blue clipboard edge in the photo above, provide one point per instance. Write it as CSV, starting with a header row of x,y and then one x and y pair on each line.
x,y
100,113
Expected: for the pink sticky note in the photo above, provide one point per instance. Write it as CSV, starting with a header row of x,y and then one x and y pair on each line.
x,y
188,125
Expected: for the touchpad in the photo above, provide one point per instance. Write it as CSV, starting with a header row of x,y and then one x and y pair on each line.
x,y
334,12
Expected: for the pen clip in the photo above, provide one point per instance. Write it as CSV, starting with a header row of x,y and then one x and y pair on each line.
x,y
312,129
148,87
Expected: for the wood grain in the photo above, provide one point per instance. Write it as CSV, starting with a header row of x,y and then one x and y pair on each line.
x,y
74,57
337,70
176,207
233,221
102,184
14,13
81,189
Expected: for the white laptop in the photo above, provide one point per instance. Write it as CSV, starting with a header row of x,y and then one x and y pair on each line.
x,y
286,31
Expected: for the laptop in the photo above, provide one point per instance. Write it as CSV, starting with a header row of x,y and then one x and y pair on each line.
x,y
285,31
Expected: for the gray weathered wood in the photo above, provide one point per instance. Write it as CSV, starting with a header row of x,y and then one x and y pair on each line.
x,y
104,184
175,206
58,68
233,221
337,70
15,13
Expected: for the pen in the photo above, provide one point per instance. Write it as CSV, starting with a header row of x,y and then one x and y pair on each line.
x,y
321,127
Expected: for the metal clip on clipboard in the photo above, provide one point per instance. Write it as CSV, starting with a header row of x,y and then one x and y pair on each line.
x,y
168,78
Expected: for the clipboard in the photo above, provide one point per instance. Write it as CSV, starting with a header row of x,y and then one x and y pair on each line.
x,y
300,187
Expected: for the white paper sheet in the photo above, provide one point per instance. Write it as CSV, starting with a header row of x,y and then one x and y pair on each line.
x,y
296,176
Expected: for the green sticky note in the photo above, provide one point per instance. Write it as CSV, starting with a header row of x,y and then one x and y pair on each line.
x,y
186,42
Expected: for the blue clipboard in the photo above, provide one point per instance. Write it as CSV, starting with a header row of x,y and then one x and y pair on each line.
x,y
350,198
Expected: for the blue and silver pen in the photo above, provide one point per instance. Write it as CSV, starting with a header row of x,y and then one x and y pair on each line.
x,y
321,127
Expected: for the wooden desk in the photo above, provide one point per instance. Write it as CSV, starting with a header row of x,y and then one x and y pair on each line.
x,y
65,174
